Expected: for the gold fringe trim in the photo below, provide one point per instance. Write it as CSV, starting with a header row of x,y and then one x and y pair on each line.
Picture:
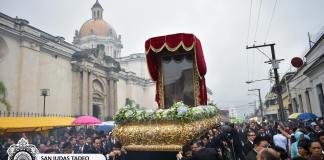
x,y
181,44
165,45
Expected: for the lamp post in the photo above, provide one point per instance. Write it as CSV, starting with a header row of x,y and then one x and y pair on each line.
x,y
260,101
44,93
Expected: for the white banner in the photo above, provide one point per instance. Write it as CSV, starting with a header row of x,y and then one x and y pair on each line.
x,y
70,157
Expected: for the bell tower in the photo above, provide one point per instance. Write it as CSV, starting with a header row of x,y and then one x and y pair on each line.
x,y
97,10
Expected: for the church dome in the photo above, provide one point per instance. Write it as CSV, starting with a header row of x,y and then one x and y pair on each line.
x,y
97,27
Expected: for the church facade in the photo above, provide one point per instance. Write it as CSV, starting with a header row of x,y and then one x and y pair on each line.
x,y
88,77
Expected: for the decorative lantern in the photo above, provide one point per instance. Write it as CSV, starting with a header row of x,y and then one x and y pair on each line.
x,y
297,62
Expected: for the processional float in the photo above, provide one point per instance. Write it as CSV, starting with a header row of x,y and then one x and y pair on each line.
x,y
176,63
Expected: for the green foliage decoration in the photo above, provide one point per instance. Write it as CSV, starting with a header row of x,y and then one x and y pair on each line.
x,y
179,112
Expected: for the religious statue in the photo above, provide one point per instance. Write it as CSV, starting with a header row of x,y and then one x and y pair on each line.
x,y
176,62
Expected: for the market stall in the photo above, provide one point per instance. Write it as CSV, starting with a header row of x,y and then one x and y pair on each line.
x,y
32,124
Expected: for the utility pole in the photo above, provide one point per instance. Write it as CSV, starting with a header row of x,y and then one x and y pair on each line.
x,y
260,101
275,66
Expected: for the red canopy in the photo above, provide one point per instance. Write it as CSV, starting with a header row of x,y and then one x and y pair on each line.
x,y
173,42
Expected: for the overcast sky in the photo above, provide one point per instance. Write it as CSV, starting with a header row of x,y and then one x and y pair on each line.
x,y
221,25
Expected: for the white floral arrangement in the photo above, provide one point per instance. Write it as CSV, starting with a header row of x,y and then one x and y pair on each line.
x,y
179,112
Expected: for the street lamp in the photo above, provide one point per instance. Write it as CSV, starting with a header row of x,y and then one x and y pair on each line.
x,y
260,101
44,92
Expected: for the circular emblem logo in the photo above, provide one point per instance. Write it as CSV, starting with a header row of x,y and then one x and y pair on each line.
x,y
22,155
22,151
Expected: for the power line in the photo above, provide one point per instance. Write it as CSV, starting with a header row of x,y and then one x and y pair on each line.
x,y
249,24
257,24
268,30
253,65
247,41
248,66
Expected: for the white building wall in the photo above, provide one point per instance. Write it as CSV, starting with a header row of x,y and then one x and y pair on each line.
x,y
28,83
121,93
138,94
300,82
142,95
315,80
26,70
56,75
149,97
9,68
76,93
136,65
298,87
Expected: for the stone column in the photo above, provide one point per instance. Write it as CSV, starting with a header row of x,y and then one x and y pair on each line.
x,y
108,110
115,97
84,93
90,103
105,105
111,98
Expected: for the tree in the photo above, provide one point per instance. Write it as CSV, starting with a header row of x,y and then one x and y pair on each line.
x,y
3,96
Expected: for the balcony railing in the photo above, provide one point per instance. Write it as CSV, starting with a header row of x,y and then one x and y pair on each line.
x,y
30,114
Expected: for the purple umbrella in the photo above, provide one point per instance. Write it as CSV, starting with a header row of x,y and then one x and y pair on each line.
x,y
87,120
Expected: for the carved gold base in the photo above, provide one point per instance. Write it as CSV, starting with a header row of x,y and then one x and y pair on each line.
x,y
163,136
153,148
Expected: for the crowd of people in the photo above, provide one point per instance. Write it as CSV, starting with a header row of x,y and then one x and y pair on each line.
x,y
296,140
68,140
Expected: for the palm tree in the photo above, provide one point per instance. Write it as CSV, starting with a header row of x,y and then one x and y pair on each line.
x,y
3,95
